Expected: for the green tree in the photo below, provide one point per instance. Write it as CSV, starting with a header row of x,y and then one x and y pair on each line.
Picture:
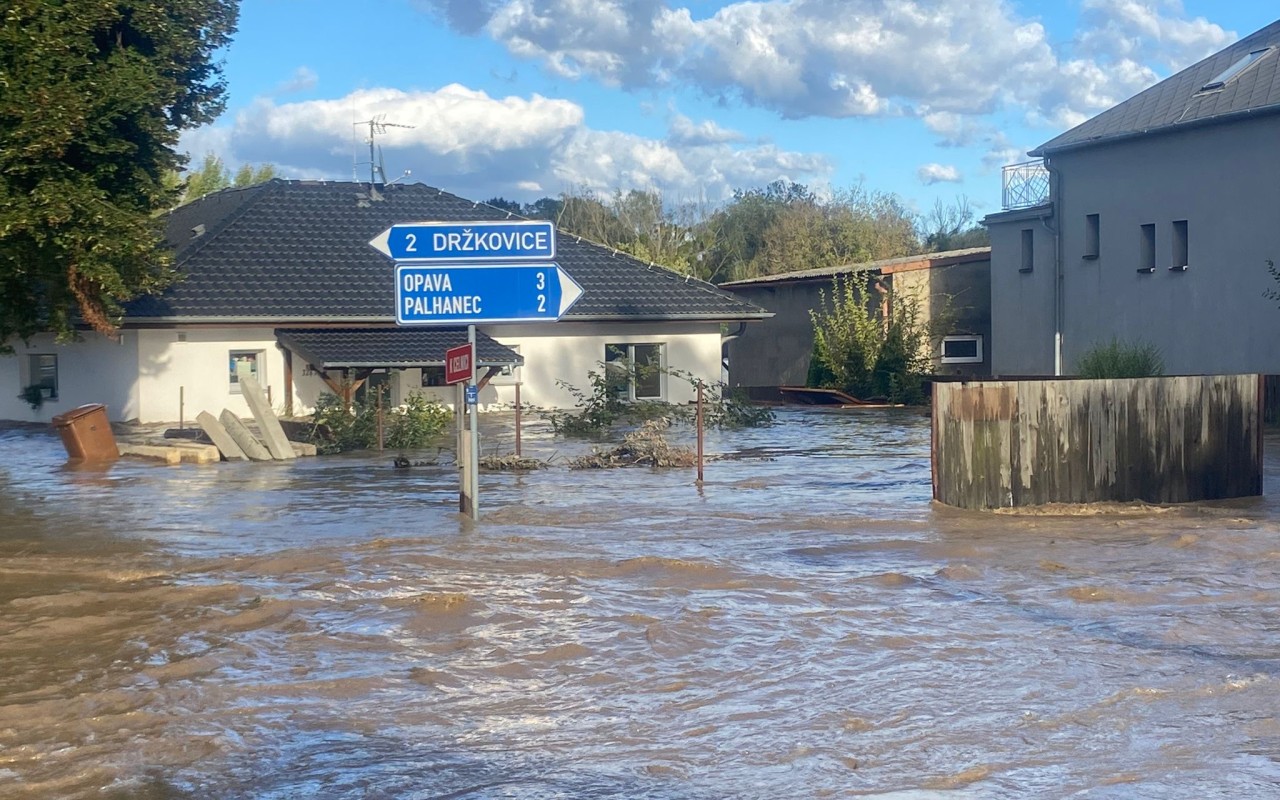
x,y
93,97
860,352
249,175
509,206
211,176
952,227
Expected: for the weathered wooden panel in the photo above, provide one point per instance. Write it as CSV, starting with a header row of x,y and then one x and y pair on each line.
x,y
1161,440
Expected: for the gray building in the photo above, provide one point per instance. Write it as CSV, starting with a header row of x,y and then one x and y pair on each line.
x,y
953,285
1154,221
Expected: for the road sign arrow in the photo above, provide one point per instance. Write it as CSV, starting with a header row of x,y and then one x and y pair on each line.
x,y
570,291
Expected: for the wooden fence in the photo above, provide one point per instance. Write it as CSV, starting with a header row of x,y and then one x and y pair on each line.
x,y
1162,440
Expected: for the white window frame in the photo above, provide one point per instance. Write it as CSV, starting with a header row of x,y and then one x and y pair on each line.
x,y
34,370
942,352
258,372
629,354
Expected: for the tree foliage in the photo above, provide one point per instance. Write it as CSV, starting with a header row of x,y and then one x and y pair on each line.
x,y
858,350
213,176
93,96
781,227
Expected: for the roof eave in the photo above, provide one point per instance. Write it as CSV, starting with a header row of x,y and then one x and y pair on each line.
x,y
668,317
1045,151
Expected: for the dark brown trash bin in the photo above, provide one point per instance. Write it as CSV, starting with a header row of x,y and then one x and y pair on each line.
x,y
86,433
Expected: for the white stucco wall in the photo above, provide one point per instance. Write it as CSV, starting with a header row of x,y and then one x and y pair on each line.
x,y
187,377
93,370
162,375
569,350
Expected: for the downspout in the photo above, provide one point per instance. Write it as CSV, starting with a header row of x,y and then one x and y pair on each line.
x,y
1055,201
725,338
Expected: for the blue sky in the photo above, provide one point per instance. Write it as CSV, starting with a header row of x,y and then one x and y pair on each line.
x,y
694,98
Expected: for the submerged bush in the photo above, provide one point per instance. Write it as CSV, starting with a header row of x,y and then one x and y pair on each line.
x,y
1117,359
337,429
605,404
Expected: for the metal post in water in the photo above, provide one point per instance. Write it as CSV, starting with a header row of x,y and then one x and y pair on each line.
x,y
182,405
473,456
379,402
700,431
517,419
460,446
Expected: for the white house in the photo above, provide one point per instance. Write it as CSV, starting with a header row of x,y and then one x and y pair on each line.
x,y
280,279
1154,221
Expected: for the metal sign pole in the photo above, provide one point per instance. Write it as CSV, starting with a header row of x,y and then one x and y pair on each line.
x,y
473,455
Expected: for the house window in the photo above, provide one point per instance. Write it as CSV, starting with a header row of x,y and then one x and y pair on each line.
x,y
432,376
637,369
244,362
43,373
1091,236
962,350
1179,242
1147,253
1028,250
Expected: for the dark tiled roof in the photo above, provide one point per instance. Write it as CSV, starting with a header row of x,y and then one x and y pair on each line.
x,y
1180,100
332,348
299,251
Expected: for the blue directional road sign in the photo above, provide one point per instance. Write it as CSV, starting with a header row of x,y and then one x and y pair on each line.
x,y
454,294
514,240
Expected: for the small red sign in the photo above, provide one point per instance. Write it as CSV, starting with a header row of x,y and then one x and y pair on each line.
x,y
457,364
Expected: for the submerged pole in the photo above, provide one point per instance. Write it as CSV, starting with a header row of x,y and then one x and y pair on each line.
x,y
517,419
700,431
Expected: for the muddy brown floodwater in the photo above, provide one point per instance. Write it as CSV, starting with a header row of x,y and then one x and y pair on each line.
x,y
805,625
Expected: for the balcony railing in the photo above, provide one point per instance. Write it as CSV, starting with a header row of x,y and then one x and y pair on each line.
x,y
1025,185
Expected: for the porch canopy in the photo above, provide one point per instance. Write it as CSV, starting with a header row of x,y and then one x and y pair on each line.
x,y
393,348
358,352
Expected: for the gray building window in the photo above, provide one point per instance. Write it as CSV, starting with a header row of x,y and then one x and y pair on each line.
x,y
1179,242
1091,236
1028,250
962,350
1147,252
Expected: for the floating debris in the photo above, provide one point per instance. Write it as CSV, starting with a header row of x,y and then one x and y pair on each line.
x,y
400,462
644,447
511,463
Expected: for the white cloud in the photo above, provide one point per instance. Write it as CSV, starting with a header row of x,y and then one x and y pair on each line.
x,y
480,146
844,58
1001,152
955,130
684,131
1130,30
302,79
930,174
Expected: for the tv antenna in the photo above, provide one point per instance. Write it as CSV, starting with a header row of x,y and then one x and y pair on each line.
x,y
378,126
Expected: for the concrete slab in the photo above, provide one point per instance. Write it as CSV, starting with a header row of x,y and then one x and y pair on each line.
x,y
197,453
268,423
221,439
249,445
168,455
303,448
